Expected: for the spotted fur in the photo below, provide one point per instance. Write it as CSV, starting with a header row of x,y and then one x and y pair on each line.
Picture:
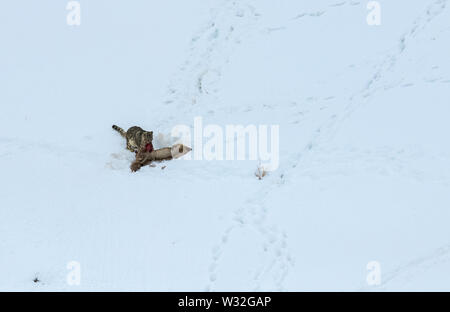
x,y
137,138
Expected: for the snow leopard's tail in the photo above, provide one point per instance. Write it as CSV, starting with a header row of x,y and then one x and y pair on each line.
x,y
120,130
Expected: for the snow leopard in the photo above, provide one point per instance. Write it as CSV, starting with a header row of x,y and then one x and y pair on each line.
x,y
137,138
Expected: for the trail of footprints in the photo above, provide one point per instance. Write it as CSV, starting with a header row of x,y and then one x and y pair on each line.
x,y
373,85
198,77
274,244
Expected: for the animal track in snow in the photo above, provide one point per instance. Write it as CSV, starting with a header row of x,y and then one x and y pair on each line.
x,y
209,51
274,243
373,83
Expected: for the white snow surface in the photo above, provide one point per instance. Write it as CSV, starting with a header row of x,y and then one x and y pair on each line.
x,y
364,172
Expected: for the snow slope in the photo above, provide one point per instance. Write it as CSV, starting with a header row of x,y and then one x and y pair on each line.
x,y
364,170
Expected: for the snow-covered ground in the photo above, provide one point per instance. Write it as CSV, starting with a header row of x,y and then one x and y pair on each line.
x,y
364,170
